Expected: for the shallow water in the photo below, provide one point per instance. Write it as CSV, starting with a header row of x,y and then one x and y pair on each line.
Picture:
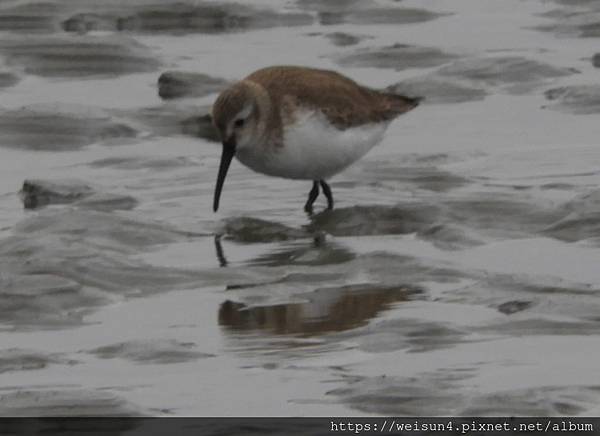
x,y
458,274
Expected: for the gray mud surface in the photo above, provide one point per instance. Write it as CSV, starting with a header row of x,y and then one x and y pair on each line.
x,y
457,275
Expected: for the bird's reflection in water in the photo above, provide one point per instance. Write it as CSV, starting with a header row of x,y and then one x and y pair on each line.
x,y
326,310
219,252
300,252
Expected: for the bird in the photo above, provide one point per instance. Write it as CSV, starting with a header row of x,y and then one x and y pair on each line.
x,y
301,123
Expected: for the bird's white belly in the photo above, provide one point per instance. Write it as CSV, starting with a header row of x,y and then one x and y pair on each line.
x,y
313,149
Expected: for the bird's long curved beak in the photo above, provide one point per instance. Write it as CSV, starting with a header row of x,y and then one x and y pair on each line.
x,y
226,157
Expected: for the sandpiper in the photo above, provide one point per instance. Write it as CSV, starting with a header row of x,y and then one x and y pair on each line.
x,y
301,123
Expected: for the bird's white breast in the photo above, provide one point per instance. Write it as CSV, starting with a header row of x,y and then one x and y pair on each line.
x,y
314,149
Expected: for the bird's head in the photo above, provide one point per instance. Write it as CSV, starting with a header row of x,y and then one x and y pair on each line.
x,y
236,116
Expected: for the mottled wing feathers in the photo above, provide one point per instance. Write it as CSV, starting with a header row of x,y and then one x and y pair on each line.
x,y
344,102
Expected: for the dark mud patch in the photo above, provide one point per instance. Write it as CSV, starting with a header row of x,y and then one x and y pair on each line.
x,y
145,17
473,79
414,335
530,299
319,252
448,236
578,3
341,39
29,301
502,215
63,263
334,5
173,119
325,310
577,99
178,84
591,30
39,193
106,201
200,126
128,163
181,18
390,270
543,327
581,219
397,56
59,129
575,227
17,359
29,17
90,278
512,74
252,230
8,79
585,203
514,306
546,290
110,228
151,351
429,160
434,223
450,222
423,176
431,394
435,393
574,22
438,90
558,186
83,56
365,12
68,402
456,222
542,401
295,279
381,16
375,220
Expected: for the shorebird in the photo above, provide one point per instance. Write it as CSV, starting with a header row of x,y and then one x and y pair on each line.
x,y
301,123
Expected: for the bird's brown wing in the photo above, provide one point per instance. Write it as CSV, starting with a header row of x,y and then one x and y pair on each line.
x,y
344,102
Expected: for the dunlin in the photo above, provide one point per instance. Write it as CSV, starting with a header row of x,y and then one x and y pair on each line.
x,y
301,123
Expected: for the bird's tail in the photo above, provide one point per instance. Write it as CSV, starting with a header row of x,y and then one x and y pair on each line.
x,y
415,100
407,101
401,103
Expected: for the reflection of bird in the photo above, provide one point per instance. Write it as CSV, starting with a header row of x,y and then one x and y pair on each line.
x,y
220,253
301,123
328,310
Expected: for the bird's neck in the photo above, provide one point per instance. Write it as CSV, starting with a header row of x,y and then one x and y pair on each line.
x,y
269,124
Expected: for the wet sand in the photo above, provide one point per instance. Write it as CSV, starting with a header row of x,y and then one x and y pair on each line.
x,y
458,274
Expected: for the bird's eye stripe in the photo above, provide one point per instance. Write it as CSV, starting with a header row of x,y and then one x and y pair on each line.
x,y
239,123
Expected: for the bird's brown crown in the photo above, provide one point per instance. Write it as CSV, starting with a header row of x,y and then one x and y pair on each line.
x,y
230,103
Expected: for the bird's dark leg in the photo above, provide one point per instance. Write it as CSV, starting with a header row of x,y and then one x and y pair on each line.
x,y
312,196
327,192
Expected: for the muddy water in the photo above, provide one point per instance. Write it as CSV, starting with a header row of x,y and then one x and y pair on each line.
x,y
459,273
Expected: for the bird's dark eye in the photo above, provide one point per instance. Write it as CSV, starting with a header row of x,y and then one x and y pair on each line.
x,y
239,123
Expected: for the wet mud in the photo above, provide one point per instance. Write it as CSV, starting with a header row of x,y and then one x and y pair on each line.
x,y
457,274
